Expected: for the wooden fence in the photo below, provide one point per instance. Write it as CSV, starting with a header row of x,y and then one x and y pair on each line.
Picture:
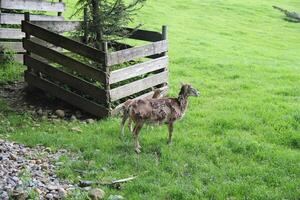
x,y
11,16
93,85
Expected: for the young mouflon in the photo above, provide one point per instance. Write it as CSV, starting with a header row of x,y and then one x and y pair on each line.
x,y
158,111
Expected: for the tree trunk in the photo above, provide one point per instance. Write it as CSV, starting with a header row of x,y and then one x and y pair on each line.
x,y
97,23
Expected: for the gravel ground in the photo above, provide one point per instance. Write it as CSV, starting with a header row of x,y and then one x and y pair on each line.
x,y
28,171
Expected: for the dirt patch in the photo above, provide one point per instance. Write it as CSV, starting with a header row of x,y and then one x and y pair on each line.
x,y
22,98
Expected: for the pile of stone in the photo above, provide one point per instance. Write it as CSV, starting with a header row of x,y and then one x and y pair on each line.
x,y
28,171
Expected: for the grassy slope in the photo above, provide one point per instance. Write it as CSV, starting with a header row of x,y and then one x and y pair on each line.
x,y
240,139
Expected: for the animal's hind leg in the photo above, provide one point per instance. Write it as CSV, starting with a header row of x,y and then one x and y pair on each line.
x,y
130,125
136,131
170,127
125,117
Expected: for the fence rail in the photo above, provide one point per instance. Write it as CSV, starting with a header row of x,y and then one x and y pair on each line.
x,y
138,86
35,5
138,69
11,33
58,26
12,18
136,52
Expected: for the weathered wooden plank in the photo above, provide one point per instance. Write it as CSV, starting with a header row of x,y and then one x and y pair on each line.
x,y
17,46
19,58
64,42
145,35
164,91
14,46
46,44
11,33
138,69
122,46
137,86
136,52
58,26
66,78
68,96
12,18
36,5
64,60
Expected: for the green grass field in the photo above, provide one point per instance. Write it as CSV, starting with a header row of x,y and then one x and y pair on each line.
x,y
239,140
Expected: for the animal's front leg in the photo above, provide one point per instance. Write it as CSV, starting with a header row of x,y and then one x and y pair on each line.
x,y
136,131
170,127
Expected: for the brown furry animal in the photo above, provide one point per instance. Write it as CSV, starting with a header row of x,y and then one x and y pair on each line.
x,y
157,94
158,111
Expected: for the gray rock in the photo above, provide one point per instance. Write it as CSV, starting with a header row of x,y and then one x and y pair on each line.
x,y
13,157
76,129
115,197
44,117
52,187
39,112
73,118
62,193
45,166
4,196
90,121
78,114
19,194
60,113
96,194
49,196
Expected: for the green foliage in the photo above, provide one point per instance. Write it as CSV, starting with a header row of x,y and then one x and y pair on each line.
x,y
113,16
6,56
10,72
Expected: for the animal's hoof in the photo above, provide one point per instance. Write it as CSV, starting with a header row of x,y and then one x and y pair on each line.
x,y
169,142
139,147
137,150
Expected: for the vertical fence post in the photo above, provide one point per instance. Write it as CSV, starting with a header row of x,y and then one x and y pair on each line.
x,y
165,37
27,35
59,13
27,19
107,74
85,25
0,15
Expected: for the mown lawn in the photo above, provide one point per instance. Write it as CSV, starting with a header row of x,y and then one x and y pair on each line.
x,y
239,140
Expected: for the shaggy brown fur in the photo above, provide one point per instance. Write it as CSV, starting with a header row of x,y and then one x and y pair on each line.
x,y
158,111
157,94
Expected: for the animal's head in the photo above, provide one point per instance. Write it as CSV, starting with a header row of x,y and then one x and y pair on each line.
x,y
188,90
